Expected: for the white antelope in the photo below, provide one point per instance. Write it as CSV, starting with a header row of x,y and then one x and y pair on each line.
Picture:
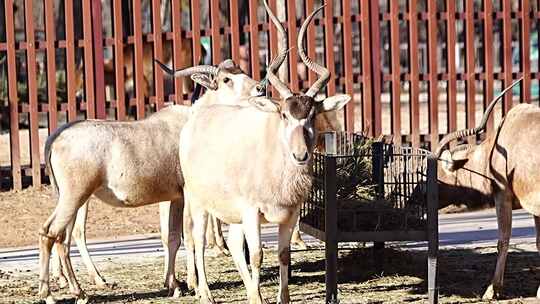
x,y
124,164
256,161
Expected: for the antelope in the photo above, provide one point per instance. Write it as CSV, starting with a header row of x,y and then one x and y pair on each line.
x,y
120,173
148,70
257,161
502,170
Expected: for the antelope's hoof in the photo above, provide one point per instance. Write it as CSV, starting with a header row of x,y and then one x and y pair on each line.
x,y
82,298
205,297
177,293
62,282
221,251
491,293
50,300
102,284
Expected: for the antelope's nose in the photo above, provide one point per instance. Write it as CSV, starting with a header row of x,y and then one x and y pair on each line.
x,y
301,157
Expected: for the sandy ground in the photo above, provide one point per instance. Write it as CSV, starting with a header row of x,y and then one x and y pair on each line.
x,y
23,212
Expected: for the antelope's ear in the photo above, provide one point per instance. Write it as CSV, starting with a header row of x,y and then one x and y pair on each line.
x,y
205,80
454,162
459,158
333,103
264,104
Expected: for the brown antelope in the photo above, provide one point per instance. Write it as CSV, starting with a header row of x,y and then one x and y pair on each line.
x,y
109,159
257,161
501,169
148,69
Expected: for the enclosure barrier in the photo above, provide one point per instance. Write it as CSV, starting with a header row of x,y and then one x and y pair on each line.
x,y
367,191
416,69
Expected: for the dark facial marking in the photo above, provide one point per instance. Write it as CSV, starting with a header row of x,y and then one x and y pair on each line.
x,y
299,106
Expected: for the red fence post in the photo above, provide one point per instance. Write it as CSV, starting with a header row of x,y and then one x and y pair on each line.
x,y
432,62
32,92
99,72
13,97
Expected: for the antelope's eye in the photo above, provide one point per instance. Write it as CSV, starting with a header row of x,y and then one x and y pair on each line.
x,y
227,80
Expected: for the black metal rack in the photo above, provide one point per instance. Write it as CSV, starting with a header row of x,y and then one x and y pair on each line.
x,y
394,200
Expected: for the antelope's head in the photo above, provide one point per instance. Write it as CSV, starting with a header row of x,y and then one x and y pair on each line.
x,y
463,170
227,78
297,111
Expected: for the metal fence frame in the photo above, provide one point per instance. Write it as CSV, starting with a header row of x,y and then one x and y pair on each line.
x,y
356,61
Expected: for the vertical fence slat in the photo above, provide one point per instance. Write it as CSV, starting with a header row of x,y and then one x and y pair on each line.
x,y
395,70
470,65
177,47
293,54
196,32
138,50
216,36
367,96
70,61
329,46
235,31
254,40
414,71
158,53
88,60
119,60
13,97
376,123
507,52
348,56
51,64
432,62
451,64
525,51
32,92
99,69
488,58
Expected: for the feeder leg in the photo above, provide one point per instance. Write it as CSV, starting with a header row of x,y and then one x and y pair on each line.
x,y
432,276
378,256
331,250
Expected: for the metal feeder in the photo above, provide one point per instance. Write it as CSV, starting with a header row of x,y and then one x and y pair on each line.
x,y
394,200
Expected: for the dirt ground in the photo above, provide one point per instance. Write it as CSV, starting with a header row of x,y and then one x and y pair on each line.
x,y
23,212
463,275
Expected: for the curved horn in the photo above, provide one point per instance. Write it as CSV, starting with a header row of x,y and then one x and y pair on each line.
x,y
317,68
205,69
281,87
468,132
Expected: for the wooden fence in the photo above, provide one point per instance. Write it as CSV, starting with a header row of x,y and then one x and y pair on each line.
x,y
416,69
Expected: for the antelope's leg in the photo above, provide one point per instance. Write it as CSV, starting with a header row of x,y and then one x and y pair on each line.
x,y
200,218
537,225
210,236
284,253
189,244
252,230
57,271
170,217
63,247
220,240
79,234
503,204
296,238
236,247
54,229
